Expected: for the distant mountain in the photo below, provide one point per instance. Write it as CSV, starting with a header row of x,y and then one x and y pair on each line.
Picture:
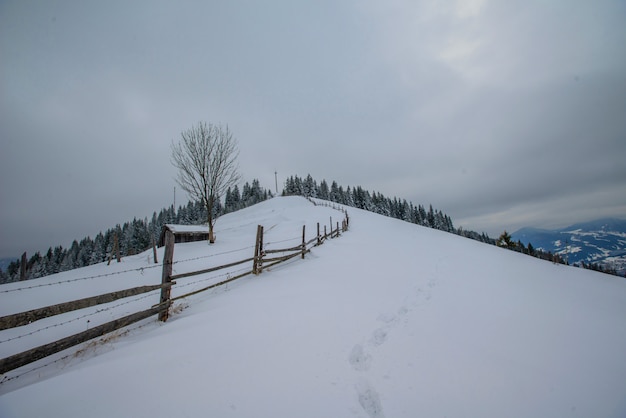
x,y
4,263
601,242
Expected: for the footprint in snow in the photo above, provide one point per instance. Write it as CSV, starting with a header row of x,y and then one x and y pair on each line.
x,y
369,399
386,318
359,359
379,336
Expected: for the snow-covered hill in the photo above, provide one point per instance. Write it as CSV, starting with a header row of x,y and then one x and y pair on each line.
x,y
390,320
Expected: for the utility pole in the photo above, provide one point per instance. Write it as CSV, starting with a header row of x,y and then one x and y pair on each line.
x,y
276,179
174,197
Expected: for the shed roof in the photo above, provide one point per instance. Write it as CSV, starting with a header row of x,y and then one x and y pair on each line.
x,y
185,233
187,229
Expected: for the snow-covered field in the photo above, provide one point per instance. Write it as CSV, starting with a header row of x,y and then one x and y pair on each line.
x,y
389,320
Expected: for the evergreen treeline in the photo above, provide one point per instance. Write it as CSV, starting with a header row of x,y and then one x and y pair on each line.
x,y
401,209
374,202
133,237
378,203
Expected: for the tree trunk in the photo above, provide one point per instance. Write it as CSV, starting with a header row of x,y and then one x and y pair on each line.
x,y
211,235
23,265
210,220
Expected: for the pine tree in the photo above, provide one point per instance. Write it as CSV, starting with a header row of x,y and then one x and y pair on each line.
x,y
505,240
335,194
99,250
309,187
323,192
346,197
430,217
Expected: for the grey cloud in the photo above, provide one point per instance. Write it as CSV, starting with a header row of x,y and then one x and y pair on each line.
x,y
500,114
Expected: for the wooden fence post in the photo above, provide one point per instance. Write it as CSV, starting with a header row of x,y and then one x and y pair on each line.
x,y
166,276
319,241
303,241
337,228
257,263
331,227
154,251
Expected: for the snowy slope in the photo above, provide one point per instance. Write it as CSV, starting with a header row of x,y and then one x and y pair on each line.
x,y
391,319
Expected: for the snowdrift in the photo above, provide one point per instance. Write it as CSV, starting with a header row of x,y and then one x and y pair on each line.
x,y
389,320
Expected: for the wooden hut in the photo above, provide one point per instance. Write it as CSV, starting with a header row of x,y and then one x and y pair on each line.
x,y
185,233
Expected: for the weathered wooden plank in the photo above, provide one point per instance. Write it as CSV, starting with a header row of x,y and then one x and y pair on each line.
x,y
166,274
284,250
154,249
18,360
314,239
284,257
318,238
25,318
279,260
212,269
212,286
303,241
257,266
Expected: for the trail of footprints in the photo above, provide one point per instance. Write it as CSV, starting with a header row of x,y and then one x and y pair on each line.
x,y
360,359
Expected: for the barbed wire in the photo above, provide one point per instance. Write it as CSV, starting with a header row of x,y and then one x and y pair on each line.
x,y
96,276
265,244
212,255
6,378
108,308
141,269
232,272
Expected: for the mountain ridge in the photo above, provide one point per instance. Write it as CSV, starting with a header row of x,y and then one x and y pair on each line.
x,y
600,242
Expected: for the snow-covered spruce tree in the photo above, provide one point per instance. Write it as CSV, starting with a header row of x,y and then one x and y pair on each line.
x,y
323,192
504,240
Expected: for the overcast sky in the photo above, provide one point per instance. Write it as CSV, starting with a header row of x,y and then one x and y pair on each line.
x,y
502,114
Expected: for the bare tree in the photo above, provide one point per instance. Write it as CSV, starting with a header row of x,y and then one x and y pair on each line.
x,y
206,160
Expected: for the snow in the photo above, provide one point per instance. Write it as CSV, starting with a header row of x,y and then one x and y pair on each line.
x,y
389,320
188,228
574,249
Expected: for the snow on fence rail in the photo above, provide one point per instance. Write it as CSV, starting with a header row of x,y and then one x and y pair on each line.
x,y
259,261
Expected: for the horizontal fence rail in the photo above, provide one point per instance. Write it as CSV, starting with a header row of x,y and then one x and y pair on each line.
x,y
260,261
210,270
223,282
25,318
29,356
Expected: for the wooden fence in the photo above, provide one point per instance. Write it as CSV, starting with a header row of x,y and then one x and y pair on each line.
x,y
262,259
